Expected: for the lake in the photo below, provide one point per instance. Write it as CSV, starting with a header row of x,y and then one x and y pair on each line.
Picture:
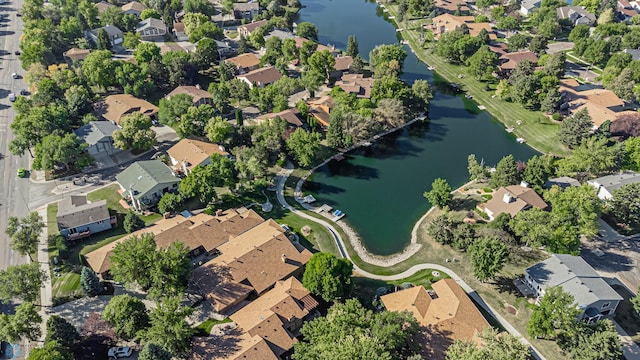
x,y
381,187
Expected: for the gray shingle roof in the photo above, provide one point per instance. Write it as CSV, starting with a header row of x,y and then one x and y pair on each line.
x,y
95,131
613,182
575,276
151,23
111,30
142,176
74,211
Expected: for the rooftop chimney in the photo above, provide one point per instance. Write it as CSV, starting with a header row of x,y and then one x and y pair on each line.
x,y
524,184
507,197
284,258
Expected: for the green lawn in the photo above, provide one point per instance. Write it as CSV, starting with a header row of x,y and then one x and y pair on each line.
x,y
52,223
66,287
204,328
109,193
536,129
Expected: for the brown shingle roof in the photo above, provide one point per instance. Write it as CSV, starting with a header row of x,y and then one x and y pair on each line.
x,y
231,346
76,54
166,47
519,197
509,61
320,109
199,230
343,63
289,115
246,60
103,5
114,107
262,76
446,316
134,5
196,93
251,27
356,84
194,152
598,102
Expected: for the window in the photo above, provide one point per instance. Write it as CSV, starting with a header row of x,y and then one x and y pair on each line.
x,y
606,305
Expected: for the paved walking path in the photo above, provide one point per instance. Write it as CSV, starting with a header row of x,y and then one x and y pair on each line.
x,y
630,349
43,260
281,178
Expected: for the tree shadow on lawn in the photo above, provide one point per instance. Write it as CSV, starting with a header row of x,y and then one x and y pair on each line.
x,y
504,284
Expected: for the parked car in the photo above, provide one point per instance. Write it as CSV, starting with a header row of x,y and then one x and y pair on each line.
x,y
119,352
17,52
14,75
24,92
21,172
12,97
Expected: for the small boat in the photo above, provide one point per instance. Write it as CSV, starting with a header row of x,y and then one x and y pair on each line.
x,y
366,143
431,68
509,129
521,140
337,213
468,96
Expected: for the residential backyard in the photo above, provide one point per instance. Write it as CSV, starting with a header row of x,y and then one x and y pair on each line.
x,y
538,130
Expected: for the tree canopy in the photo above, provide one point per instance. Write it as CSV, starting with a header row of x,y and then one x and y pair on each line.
x,y
136,133
349,331
25,233
303,145
21,282
488,255
169,328
440,193
328,276
128,315
556,313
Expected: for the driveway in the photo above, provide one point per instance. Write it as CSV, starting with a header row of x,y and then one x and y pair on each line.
x,y
559,46
574,70
620,259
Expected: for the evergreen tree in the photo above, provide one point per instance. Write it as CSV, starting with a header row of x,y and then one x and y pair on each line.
x,y
90,283
132,222
352,46
506,173
103,40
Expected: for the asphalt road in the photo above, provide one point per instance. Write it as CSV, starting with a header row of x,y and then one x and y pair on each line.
x,y
14,192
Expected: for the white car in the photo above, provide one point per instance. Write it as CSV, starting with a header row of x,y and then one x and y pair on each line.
x,y
119,352
14,75
12,97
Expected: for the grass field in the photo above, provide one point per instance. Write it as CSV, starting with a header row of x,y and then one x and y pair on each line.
x,y
539,132
52,224
66,287
204,328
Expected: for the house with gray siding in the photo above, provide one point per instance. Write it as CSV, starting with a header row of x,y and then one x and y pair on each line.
x,y
606,185
593,296
77,218
114,34
99,136
144,182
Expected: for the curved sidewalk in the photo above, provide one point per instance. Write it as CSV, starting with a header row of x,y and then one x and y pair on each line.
x,y
282,177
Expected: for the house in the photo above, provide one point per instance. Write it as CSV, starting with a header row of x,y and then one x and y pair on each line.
x,y
341,66
261,77
576,15
224,49
167,47
247,29
281,34
99,136
249,264
320,109
593,296
511,200
277,315
144,182
178,32
451,6
509,61
102,6
444,314
562,182
114,107
625,10
447,22
635,53
151,29
200,97
356,84
289,115
114,34
75,54
601,104
133,8
189,153
244,62
606,185
201,234
251,347
246,10
77,218
499,48
527,6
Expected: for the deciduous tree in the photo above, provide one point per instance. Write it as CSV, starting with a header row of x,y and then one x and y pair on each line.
x,y
171,271
170,203
61,331
303,145
25,323
200,183
52,350
497,347
136,133
170,110
625,204
25,233
328,276
307,30
483,63
169,328
594,156
55,150
132,222
488,255
555,313
152,351
21,282
133,260
128,315
506,173
440,193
